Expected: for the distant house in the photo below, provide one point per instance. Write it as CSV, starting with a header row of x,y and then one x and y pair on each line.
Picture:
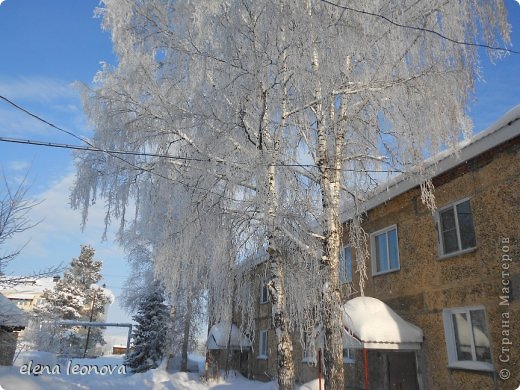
x,y
440,308
12,321
118,349
27,293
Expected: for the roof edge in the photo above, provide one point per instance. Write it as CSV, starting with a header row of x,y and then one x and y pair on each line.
x,y
504,129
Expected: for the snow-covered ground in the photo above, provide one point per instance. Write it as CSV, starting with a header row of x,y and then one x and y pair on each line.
x,y
73,375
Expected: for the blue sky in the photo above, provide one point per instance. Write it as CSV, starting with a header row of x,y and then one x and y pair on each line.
x,y
48,45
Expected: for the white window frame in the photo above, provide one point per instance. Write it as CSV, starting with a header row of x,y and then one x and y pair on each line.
x,y
263,287
373,250
344,277
451,346
440,239
309,349
263,344
347,358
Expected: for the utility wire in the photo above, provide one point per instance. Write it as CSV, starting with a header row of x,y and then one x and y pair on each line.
x,y
115,153
503,49
94,149
44,120
18,107
166,156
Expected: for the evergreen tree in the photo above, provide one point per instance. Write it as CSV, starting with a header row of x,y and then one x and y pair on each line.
x,y
151,332
75,297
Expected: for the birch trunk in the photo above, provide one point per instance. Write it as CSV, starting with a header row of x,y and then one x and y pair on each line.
x,y
329,183
331,305
186,335
284,348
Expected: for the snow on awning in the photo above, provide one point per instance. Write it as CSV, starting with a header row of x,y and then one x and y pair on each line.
x,y
219,335
10,315
372,324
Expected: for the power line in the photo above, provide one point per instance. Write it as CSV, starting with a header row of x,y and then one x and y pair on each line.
x,y
123,152
116,153
503,49
43,120
94,149
37,117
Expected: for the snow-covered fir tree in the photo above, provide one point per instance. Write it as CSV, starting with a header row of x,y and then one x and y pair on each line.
x,y
151,333
74,297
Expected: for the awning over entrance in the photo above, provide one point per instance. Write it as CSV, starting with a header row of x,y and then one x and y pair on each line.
x,y
372,324
221,333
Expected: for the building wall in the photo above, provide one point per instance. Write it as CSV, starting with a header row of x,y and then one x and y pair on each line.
x,y
8,341
426,284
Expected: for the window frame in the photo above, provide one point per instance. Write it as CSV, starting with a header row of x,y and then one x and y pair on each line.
x,y
451,344
309,352
438,225
344,275
373,259
263,335
263,287
347,357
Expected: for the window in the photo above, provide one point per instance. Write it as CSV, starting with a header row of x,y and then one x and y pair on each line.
x,y
262,345
455,228
345,266
264,293
385,251
467,339
349,356
309,348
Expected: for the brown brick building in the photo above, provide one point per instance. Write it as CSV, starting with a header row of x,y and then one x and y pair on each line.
x,y
454,274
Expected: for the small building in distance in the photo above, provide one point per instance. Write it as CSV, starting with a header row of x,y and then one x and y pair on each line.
x,y
27,292
12,321
118,349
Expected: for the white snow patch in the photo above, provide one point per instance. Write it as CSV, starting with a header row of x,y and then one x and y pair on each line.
x,y
372,321
36,357
157,379
10,315
220,334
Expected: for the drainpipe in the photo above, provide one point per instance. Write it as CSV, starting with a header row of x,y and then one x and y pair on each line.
x,y
319,369
365,367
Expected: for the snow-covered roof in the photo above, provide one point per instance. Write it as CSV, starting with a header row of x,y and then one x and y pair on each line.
x,y
27,288
372,324
10,315
219,335
503,130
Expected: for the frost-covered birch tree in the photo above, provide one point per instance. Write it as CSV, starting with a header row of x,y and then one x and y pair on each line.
x,y
282,115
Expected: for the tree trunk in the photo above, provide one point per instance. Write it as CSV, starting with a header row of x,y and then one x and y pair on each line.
x,y
331,306
328,155
186,335
284,348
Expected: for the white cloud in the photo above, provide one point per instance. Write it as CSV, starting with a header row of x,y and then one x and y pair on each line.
x,y
38,89
19,165
54,100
